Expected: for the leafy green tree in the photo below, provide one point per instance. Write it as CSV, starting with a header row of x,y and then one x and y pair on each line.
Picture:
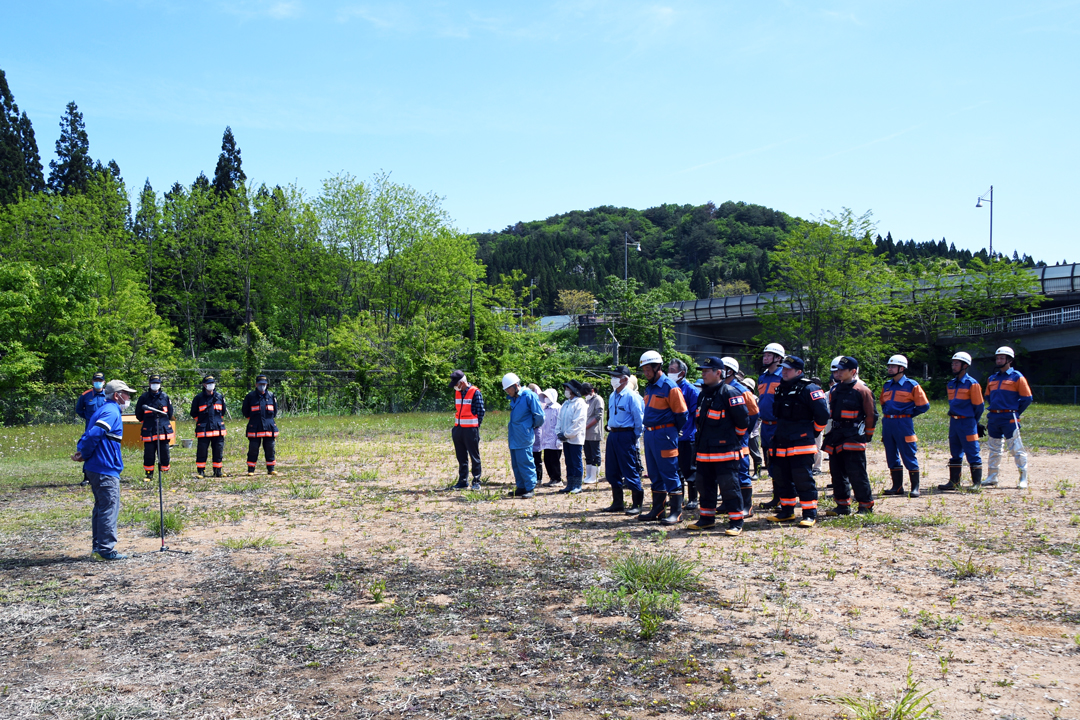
x,y
834,292
229,173
639,322
13,180
998,286
72,169
35,177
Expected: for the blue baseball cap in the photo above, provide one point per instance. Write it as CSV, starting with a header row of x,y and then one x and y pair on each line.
x,y
793,363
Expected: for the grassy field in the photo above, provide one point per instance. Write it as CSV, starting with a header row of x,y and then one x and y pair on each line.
x,y
356,585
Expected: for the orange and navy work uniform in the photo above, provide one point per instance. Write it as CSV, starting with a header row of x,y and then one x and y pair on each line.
x,y
665,414
261,409
157,429
1009,396
965,408
209,414
901,401
802,410
722,422
854,417
767,384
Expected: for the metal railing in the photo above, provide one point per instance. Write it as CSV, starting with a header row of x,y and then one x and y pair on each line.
x,y
1016,323
1056,394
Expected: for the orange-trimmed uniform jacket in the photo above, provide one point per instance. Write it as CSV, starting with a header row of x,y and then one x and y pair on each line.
x,y
260,409
965,397
722,422
209,414
664,404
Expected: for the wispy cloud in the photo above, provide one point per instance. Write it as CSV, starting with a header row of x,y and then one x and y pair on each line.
x,y
251,9
885,138
736,156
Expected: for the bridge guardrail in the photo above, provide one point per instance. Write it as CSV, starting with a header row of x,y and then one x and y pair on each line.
x,y
1015,323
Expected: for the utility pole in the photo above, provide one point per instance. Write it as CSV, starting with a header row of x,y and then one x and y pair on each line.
x,y
614,348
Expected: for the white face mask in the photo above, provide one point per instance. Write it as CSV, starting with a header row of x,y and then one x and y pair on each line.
x,y
98,385
124,405
674,377
155,386
261,387
210,387
616,383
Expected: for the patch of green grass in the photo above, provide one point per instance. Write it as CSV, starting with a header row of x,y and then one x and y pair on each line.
x,y
62,516
926,623
969,569
244,485
885,520
174,520
662,572
909,704
363,475
303,490
258,542
483,495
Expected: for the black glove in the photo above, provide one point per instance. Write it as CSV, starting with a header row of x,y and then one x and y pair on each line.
x,y
562,438
865,439
982,430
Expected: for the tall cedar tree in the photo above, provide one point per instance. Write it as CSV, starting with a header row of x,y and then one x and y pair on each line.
x,y
70,172
12,165
35,174
228,174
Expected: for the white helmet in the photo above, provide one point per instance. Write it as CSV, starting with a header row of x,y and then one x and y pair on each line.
x,y
731,363
835,364
775,349
962,357
650,357
1006,350
510,379
898,360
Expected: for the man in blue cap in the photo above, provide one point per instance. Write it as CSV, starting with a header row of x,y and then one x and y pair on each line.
x,y
801,413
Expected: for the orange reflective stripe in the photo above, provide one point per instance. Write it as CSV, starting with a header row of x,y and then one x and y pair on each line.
x,y
910,439
673,452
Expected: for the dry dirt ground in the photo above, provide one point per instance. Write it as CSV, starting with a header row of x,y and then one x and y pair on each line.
x,y
973,596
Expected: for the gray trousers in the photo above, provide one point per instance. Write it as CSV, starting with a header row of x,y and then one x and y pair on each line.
x,y
106,510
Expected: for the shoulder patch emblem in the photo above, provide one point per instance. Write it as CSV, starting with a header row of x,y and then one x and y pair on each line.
x,y
816,394
736,400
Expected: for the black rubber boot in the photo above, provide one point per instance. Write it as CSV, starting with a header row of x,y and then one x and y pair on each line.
x,y
914,476
691,493
218,472
954,478
748,502
976,476
897,482
617,503
200,472
675,506
637,499
705,522
657,511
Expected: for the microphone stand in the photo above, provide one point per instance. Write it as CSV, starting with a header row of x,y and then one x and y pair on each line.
x,y
161,495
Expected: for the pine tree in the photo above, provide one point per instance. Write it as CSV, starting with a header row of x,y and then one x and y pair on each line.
x,y
12,166
35,173
70,172
228,174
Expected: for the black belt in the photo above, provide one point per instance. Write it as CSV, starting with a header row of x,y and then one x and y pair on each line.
x,y
621,429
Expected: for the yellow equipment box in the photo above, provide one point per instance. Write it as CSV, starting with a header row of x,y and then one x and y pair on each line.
x,y
133,432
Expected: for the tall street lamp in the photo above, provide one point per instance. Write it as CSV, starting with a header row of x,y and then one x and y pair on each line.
x,y
627,242
988,197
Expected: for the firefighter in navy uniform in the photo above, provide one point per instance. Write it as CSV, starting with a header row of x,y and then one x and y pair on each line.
x,y
801,413
155,410
854,415
260,408
723,421
208,410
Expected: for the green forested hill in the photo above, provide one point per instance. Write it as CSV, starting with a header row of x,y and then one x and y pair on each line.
x,y
702,244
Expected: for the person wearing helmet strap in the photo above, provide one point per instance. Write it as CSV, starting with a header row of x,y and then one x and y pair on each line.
x,y
767,383
665,414
677,370
526,416
902,399
965,409
801,412
1009,396
570,429
731,377
468,417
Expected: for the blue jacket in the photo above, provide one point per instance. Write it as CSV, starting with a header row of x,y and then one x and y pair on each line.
x,y
88,404
100,444
664,403
690,395
525,416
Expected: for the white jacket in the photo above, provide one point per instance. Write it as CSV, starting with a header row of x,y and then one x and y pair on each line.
x,y
572,420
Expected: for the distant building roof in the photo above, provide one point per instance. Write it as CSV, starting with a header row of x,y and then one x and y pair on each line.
x,y
550,323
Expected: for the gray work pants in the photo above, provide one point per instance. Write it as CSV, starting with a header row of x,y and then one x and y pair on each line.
x,y
106,510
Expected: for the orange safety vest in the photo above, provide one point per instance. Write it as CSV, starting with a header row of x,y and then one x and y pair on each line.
x,y
463,410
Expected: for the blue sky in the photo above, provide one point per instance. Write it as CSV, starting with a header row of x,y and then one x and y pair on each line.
x,y
518,111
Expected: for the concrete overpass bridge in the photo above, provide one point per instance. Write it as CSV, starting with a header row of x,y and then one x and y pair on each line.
x,y
1050,335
